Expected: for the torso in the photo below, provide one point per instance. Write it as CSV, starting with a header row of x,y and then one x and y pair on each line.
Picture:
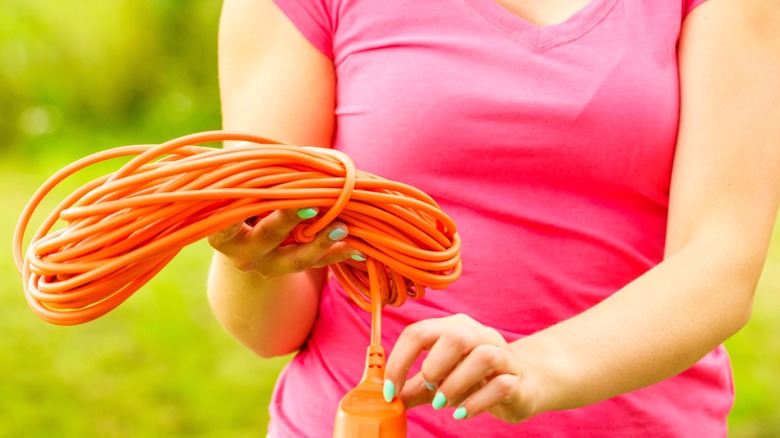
x,y
550,145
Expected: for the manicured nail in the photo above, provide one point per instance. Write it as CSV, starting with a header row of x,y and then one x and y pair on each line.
x,y
358,257
429,386
337,234
388,391
307,213
439,400
460,413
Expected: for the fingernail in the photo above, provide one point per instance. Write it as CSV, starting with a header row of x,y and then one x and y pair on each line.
x,y
429,386
307,213
337,234
358,257
460,413
388,391
439,400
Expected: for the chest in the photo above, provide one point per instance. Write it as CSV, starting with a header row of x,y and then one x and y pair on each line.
x,y
435,96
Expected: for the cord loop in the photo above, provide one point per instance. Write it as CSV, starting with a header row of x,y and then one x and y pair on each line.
x,y
123,228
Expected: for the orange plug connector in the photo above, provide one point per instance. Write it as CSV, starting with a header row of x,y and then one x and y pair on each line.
x,y
363,412
124,227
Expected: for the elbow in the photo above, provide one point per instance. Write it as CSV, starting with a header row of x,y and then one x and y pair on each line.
x,y
261,339
271,351
262,344
744,280
741,312
723,285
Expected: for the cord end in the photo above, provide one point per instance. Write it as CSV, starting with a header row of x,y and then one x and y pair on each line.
x,y
363,412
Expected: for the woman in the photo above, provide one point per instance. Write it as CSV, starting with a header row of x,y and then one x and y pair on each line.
x,y
613,169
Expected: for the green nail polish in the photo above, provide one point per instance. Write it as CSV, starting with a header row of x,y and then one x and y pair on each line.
x,y
439,400
460,413
388,391
307,213
336,234
358,258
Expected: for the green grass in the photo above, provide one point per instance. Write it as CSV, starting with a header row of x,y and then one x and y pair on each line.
x,y
161,366
755,353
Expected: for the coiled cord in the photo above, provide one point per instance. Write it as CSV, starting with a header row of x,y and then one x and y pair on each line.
x,y
123,228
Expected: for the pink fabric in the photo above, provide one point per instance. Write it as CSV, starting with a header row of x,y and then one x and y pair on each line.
x,y
552,150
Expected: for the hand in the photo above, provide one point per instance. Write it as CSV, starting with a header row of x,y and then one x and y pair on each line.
x,y
469,366
258,248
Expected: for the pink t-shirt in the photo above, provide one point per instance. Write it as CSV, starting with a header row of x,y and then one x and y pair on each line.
x,y
551,148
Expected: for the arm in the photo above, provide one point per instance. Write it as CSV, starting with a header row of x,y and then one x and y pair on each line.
x,y
275,84
724,200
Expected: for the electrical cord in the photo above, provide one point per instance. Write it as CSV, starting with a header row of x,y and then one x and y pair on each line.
x,y
123,228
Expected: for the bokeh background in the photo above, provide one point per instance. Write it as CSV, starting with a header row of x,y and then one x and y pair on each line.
x,y
77,77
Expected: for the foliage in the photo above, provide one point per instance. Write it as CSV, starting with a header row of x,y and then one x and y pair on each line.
x,y
90,71
755,353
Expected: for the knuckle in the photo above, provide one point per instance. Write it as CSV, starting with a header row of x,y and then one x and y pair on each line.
x,y
326,261
459,337
464,319
486,356
269,235
223,236
214,240
504,387
298,264
334,254
218,239
495,336
415,332
323,244
291,215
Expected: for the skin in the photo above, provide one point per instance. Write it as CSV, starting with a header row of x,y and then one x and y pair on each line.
x,y
724,199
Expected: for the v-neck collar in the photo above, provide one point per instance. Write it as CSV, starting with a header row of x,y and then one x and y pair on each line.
x,y
541,38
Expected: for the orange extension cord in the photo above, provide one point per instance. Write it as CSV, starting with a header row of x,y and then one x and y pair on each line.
x,y
123,228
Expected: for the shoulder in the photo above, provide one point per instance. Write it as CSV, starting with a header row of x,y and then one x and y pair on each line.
x,y
757,15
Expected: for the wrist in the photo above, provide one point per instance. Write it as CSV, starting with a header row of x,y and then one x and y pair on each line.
x,y
548,376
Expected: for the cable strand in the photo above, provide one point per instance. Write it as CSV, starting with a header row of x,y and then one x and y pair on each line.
x,y
124,227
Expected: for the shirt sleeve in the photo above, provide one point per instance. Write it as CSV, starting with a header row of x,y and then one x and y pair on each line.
x,y
313,19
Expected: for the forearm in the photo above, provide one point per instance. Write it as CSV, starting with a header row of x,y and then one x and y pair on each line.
x,y
274,83
272,317
655,327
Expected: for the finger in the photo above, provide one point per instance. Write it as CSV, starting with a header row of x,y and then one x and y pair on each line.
x,y
484,361
501,392
232,243
274,228
451,347
249,246
415,393
414,339
337,253
222,237
325,248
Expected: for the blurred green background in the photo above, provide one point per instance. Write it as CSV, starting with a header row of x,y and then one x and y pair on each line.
x,y
77,77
